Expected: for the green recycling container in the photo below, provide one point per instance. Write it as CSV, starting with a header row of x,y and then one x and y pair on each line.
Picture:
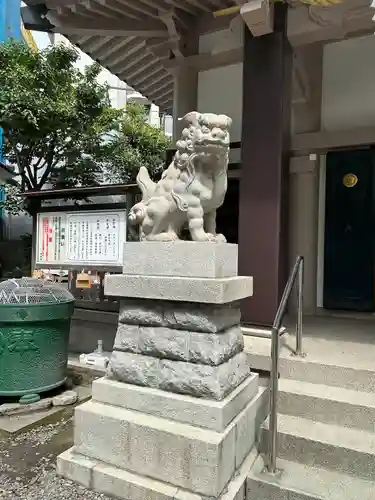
x,y
35,320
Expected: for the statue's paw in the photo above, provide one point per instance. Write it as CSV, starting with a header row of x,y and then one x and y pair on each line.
x,y
137,213
220,238
201,236
208,237
166,236
172,236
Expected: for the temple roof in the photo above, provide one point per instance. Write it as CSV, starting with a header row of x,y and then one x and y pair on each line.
x,y
131,38
147,42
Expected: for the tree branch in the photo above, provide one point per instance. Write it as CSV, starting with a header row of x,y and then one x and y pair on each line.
x,y
7,169
37,165
49,162
28,162
31,176
25,180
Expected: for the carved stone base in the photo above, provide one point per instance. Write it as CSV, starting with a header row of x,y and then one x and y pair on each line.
x,y
179,411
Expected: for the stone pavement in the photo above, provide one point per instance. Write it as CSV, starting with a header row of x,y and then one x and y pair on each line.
x,y
28,464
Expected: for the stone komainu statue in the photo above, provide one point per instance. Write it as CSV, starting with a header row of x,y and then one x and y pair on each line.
x,y
192,188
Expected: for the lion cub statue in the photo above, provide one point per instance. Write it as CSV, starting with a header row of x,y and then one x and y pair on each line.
x,y
192,188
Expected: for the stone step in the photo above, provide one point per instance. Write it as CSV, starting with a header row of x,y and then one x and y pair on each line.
x,y
330,405
322,365
318,444
300,482
118,483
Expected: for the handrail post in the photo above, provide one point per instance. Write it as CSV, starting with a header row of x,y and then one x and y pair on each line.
x,y
274,387
298,270
299,351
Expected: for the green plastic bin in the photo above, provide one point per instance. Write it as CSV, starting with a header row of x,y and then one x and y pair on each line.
x,y
35,320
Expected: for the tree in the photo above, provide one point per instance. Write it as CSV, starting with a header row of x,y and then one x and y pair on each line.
x,y
53,118
136,143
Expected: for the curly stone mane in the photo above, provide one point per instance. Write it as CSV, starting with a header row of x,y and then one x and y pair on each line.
x,y
191,188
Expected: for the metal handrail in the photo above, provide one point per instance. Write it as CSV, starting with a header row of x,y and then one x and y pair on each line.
x,y
298,270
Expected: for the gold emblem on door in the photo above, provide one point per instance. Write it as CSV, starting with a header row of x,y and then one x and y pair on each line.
x,y
350,180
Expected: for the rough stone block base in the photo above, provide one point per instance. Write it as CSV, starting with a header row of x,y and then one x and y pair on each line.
x,y
204,318
211,382
125,485
180,348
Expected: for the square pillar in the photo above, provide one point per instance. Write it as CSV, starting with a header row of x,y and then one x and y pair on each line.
x,y
185,95
303,226
263,203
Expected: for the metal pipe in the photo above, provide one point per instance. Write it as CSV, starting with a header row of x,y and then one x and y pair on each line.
x,y
228,11
298,269
274,387
286,294
300,310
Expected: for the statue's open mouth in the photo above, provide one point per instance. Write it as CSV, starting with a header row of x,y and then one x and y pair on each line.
x,y
216,147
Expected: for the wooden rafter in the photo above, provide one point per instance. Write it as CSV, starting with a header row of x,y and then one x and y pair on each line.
x,y
136,6
103,27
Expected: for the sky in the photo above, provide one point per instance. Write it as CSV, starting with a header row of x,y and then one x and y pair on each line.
x,y
41,39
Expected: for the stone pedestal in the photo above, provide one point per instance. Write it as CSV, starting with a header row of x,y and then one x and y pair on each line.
x,y
179,410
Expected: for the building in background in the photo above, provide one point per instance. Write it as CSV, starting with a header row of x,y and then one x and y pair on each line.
x,y
299,88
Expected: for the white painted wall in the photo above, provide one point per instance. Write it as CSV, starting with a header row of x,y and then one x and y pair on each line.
x,y
220,89
349,84
348,99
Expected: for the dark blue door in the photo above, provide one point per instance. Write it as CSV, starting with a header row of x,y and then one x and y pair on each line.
x,y
349,231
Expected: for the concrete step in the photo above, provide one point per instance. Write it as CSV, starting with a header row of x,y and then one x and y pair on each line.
x,y
322,365
318,444
300,482
330,405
